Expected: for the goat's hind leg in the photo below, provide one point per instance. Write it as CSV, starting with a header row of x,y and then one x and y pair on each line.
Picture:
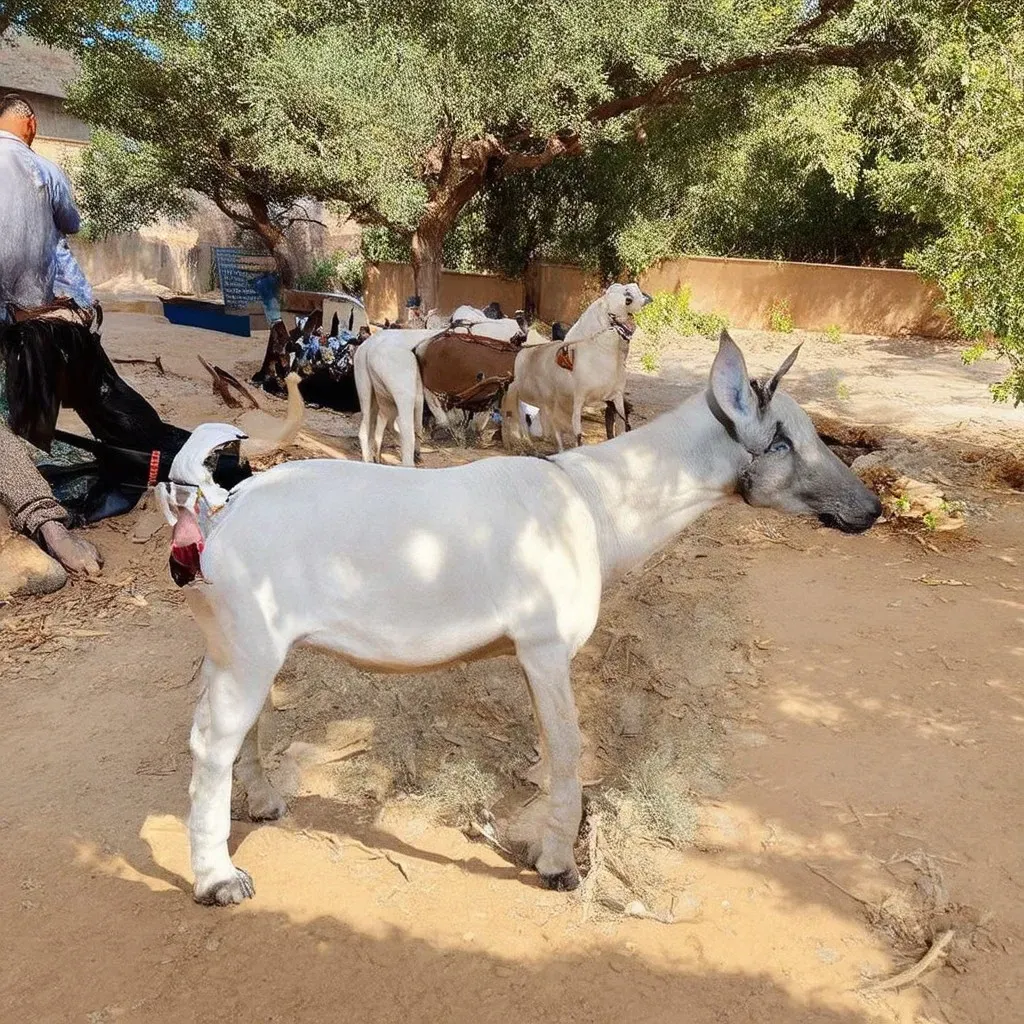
x,y
265,802
547,672
232,695
577,418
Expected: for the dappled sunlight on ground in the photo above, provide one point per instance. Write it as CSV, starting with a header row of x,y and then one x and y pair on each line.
x,y
788,732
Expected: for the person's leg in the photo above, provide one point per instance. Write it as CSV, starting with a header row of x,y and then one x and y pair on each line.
x,y
34,510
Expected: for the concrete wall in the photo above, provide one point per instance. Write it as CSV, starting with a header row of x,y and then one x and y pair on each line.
x,y
565,292
858,300
160,258
386,286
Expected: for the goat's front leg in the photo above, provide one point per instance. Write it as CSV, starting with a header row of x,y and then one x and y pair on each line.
x,y
609,420
228,707
547,672
265,803
623,411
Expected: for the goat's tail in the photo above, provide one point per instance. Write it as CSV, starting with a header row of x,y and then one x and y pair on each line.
x,y
191,497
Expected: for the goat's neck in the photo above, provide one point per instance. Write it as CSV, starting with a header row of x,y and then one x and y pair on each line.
x,y
646,486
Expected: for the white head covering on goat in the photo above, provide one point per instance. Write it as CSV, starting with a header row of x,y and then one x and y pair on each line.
x,y
190,473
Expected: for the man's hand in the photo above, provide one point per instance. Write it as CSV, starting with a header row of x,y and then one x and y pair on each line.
x,y
74,553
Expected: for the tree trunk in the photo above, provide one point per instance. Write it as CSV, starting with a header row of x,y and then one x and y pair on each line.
x,y
285,270
427,244
273,238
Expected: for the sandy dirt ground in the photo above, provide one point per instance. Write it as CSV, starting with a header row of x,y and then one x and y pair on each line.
x,y
802,748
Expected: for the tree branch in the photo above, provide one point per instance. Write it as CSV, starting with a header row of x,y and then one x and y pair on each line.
x,y
667,90
827,10
563,144
233,215
302,219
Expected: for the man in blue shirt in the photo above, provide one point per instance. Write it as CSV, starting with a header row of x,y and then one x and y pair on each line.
x,y
36,214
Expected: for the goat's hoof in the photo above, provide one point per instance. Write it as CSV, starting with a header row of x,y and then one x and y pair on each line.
x,y
269,807
564,881
228,892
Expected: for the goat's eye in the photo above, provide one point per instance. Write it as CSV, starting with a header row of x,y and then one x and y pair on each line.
x,y
629,300
780,444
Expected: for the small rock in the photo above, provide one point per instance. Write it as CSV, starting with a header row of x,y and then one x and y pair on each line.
x,y
687,908
212,944
26,570
827,955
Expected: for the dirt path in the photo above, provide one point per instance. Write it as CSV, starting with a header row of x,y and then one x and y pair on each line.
x,y
777,696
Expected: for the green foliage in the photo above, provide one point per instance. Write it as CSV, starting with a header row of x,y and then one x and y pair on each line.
x,y
650,360
406,113
381,245
123,185
337,272
952,151
672,312
780,318
833,334
66,23
668,314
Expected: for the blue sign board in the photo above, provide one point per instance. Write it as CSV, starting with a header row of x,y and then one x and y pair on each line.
x,y
236,270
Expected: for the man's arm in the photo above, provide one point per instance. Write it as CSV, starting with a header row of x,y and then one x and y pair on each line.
x,y
65,213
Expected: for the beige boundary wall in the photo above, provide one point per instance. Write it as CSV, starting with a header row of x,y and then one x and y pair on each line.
x,y
386,286
857,300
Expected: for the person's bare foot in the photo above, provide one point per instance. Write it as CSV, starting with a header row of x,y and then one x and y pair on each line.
x,y
74,553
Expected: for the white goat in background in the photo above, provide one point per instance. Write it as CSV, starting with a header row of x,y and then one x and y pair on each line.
x,y
390,386
417,569
390,390
595,348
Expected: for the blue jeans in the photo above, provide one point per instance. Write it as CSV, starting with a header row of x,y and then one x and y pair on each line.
x,y
266,286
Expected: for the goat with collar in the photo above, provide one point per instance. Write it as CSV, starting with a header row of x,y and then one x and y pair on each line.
x,y
417,569
588,368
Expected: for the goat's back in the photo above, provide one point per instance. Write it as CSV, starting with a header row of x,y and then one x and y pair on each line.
x,y
399,554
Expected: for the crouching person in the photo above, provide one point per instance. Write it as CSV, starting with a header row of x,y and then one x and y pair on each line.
x,y
37,213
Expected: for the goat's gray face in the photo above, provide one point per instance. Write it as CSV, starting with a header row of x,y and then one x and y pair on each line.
x,y
790,468
623,301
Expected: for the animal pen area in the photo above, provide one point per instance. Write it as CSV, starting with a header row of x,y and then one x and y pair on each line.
x,y
800,752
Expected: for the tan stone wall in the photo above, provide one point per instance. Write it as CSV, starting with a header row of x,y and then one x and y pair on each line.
x,y
858,300
565,292
386,286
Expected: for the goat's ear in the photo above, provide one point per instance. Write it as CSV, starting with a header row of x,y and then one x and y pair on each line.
x,y
730,384
769,388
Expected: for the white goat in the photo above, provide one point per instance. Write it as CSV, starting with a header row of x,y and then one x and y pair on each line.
x,y
389,385
598,344
416,569
390,390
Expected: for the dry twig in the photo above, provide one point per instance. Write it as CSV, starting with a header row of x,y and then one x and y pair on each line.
x,y
912,973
